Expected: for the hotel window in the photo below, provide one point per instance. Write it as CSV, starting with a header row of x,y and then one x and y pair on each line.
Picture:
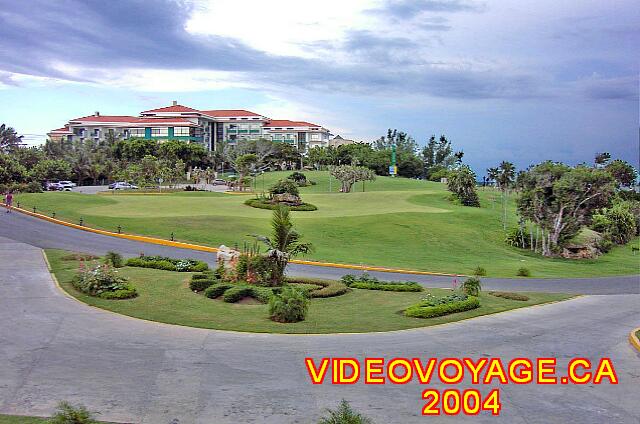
x,y
125,134
244,126
315,137
96,132
181,131
160,132
232,126
137,132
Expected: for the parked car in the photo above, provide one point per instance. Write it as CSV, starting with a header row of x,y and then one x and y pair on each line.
x,y
49,186
219,181
65,185
122,185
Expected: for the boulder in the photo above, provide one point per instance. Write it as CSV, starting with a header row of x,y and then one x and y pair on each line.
x,y
288,198
227,257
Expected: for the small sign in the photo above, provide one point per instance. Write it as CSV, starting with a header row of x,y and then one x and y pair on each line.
x,y
393,170
160,180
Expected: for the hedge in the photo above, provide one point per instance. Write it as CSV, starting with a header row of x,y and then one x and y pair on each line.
x,y
264,204
510,296
419,311
168,264
327,288
235,293
216,290
388,286
126,293
201,284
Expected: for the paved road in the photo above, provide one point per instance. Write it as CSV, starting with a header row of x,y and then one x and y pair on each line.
x,y
44,234
53,348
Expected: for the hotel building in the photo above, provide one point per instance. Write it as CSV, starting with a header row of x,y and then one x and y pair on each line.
x,y
208,127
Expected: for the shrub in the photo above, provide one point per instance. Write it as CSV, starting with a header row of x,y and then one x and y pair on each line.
x,y
324,288
344,415
299,178
420,311
259,269
618,221
220,272
201,284
114,259
510,296
367,282
203,276
284,186
168,264
523,272
69,414
265,204
236,293
518,237
290,305
102,281
480,271
471,286
216,290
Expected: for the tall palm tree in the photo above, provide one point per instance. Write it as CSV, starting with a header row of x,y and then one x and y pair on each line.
x,y
492,174
506,178
9,139
283,244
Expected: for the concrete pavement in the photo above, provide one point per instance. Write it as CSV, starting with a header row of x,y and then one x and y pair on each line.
x,y
47,235
55,348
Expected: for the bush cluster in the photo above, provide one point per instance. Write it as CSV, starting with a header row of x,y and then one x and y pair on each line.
x,y
284,186
510,296
216,290
69,414
523,272
232,293
32,187
427,308
265,204
168,264
114,259
200,284
255,269
102,281
290,305
620,222
325,288
480,271
367,282
471,286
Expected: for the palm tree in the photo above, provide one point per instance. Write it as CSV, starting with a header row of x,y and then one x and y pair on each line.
x,y
283,244
506,178
9,139
492,174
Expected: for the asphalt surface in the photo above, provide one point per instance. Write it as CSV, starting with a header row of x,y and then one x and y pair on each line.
x,y
54,348
44,234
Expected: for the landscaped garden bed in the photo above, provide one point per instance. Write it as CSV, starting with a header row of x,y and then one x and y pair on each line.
x,y
367,282
166,297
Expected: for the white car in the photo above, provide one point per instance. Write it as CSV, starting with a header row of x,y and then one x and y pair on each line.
x,y
123,186
65,185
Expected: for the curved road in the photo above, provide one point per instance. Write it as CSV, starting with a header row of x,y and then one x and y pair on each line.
x,y
53,347
44,234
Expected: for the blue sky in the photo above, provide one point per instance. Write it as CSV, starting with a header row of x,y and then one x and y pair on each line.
x,y
504,80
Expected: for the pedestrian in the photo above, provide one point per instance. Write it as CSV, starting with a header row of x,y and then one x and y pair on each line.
x,y
8,201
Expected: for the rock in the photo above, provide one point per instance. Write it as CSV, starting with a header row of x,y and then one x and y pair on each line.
x,y
575,251
227,257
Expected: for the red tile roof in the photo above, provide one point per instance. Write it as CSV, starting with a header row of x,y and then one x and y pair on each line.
x,y
63,130
287,123
173,108
229,112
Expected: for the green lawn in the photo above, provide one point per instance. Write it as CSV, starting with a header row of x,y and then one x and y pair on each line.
x,y
396,222
165,297
18,419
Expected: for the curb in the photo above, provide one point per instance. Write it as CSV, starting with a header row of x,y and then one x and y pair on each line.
x,y
191,246
633,339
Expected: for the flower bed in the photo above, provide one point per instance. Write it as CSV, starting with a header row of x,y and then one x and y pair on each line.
x,y
266,204
322,289
102,281
168,264
432,306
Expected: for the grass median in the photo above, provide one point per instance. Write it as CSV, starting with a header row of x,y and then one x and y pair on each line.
x,y
397,222
165,297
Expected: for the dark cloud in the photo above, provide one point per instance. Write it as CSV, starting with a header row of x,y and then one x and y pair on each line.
x,y
109,36
624,88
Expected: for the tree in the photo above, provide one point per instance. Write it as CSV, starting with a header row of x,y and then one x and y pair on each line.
x,y
560,199
9,139
437,155
492,174
505,178
404,142
245,164
624,174
51,169
462,183
283,244
11,171
348,175
601,159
